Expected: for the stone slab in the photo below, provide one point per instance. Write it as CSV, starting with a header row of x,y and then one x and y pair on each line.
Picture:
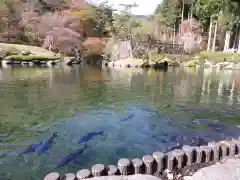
x,y
229,170
131,177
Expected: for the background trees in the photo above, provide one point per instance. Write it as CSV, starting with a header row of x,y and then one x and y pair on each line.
x,y
64,25
220,16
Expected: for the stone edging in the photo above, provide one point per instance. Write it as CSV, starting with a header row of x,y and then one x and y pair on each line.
x,y
158,162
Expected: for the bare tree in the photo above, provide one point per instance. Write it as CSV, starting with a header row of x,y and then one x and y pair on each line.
x,y
53,29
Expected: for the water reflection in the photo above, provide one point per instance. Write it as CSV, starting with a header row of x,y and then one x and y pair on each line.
x,y
74,101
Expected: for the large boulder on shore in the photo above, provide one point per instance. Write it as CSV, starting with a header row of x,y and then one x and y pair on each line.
x,y
19,49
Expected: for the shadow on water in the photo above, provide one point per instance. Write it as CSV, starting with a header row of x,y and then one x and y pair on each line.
x,y
140,111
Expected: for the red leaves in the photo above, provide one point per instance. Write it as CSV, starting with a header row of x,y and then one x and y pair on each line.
x,y
189,26
93,46
55,24
189,31
62,27
54,29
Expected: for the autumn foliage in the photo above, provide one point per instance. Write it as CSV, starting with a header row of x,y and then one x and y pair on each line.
x,y
93,45
190,30
189,26
57,25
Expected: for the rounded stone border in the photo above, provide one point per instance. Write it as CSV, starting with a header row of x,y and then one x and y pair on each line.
x,y
158,162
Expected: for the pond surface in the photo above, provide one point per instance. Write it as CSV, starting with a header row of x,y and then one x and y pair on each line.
x,y
138,111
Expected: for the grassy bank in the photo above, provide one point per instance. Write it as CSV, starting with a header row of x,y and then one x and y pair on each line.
x,y
17,52
216,57
201,59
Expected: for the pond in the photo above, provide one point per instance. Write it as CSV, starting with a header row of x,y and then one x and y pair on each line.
x,y
137,112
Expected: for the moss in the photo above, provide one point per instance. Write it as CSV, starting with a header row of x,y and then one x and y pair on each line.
x,y
192,63
30,58
203,57
156,58
26,53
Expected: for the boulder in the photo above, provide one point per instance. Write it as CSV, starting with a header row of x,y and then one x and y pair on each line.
x,y
128,62
161,65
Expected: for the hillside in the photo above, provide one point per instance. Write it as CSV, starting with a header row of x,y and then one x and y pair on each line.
x,y
55,25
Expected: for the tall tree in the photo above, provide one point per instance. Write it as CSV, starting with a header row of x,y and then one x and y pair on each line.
x,y
169,12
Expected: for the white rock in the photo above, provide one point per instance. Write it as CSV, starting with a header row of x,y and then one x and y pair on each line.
x,y
230,170
131,177
125,62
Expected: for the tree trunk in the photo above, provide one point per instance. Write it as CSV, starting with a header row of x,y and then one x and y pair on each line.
x,y
182,18
239,44
174,34
236,38
227,39
209,36
221,40
164,36
182,11
214,38
191,11
169,36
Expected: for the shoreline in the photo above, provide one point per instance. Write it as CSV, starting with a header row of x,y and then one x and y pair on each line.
x,y
25,54
123,63
216,171
222,60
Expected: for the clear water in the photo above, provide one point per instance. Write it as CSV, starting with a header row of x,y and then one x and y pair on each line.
x,y
169,108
